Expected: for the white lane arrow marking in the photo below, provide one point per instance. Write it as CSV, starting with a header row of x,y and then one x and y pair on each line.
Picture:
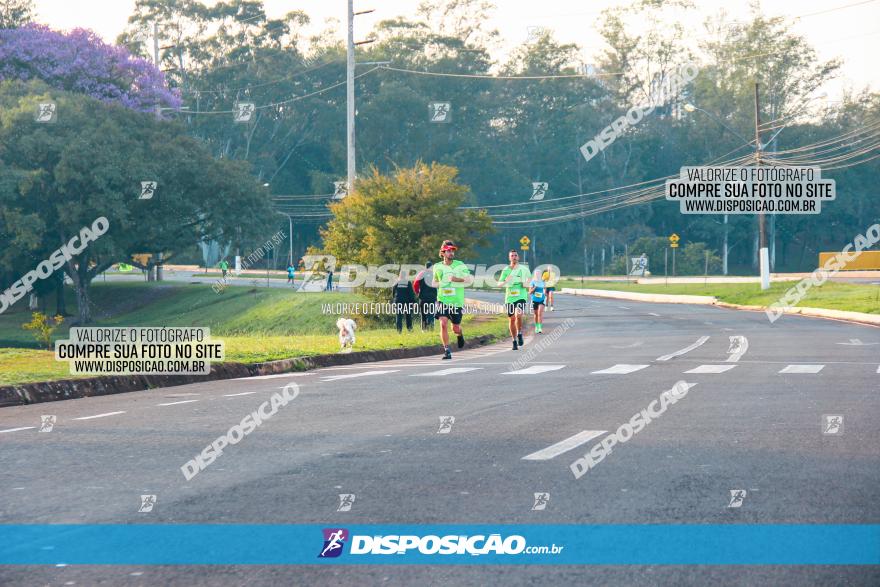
x,y
739,345
700,342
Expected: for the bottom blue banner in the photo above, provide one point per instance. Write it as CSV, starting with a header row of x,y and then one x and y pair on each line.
x,y
208,544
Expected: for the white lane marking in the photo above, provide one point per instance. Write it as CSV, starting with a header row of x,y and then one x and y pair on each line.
x,y
620,369
238,394
624,307
802,369
273,376
856,342
878,368
186,401
654,314
554,450
444,372
534,370
17,429
99,416
700,342
739,345
628,346
353,375
711,369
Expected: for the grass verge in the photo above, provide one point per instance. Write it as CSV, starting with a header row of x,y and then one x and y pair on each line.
x,y
255,324
831,295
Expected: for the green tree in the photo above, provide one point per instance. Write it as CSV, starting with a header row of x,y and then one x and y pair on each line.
x,y
91,162
403,217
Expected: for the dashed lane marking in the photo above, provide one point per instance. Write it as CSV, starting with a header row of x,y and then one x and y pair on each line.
x,y
99,416
353,375
808,369
572,442
17,429
444,372
534,370
620,369
186,401
711,369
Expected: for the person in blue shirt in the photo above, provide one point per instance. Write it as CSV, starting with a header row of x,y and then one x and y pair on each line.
x,y
291,273
538,293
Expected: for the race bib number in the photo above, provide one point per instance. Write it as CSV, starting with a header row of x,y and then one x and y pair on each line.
x,y
514,292
447,291
539,296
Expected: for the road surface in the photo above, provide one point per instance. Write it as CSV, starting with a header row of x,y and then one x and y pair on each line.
x,y
753,420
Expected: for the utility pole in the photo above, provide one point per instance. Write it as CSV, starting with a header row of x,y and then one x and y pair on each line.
x,y
763,256
349,85
159,254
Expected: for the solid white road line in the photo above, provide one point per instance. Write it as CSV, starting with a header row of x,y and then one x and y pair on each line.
x,y
700,341
17,429
802,369
534,370
554,450
353,375
738,347
711,369
186,401
620,369
238,394
445,372
99,416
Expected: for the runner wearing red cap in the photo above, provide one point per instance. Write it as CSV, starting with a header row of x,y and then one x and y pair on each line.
x,y
450,277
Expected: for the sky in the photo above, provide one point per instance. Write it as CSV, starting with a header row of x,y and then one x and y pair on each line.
x,y
845,29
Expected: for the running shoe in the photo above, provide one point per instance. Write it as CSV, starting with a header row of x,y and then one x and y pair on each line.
x,y
515,347
447,354
460,340
519,338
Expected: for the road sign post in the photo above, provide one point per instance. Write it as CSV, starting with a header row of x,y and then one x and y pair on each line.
x,y
673,244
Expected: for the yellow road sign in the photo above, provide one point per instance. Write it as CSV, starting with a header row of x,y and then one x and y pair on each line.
x,y
524,241
674,238
673,246
525,247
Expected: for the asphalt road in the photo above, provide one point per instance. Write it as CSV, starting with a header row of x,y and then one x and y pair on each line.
x,y
752,420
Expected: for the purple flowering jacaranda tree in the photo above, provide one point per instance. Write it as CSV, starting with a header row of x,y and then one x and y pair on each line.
x,y
79,61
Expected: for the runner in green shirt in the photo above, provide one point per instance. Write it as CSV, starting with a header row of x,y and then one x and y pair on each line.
x,y
450,277
515,279
224,267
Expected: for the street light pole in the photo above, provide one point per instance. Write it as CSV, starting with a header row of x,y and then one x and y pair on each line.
x,y
349,84
763,253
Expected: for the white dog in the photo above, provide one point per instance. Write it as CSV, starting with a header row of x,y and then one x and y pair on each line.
x,y
346,327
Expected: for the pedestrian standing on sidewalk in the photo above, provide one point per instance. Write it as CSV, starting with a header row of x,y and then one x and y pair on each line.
x,y
404,301
427,294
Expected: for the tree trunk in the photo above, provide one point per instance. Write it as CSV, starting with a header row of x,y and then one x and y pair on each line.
x,y
60,303
79,273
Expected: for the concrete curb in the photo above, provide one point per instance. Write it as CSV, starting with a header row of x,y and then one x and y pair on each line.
x,y
641,297
47,391
843,315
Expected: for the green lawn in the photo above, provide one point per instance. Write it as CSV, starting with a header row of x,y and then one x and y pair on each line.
x,y
831,295
255,324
